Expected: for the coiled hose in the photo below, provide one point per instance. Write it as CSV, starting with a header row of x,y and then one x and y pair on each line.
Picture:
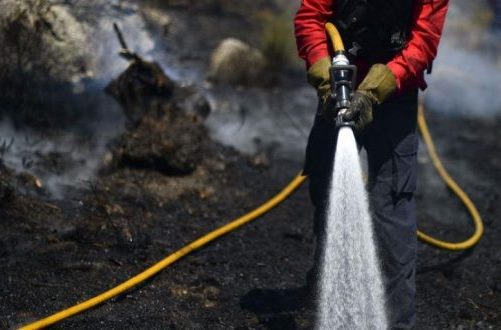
x,y
266,207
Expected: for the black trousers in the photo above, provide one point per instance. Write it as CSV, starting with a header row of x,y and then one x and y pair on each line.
x,y
391,143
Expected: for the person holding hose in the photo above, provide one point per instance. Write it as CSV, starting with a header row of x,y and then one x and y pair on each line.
x,y
392,42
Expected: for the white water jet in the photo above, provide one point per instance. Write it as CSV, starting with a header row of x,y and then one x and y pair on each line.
x,y
351,287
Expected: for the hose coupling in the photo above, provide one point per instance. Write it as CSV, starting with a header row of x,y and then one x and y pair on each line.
x,y
340,120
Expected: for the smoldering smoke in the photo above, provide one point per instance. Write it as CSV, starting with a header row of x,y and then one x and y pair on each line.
x,y
466,77
88,60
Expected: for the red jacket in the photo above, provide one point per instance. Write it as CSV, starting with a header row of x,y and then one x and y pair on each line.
x,y
408,65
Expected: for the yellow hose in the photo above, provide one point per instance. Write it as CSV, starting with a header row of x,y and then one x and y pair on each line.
x,y
335,37
204,240
449,181
264,208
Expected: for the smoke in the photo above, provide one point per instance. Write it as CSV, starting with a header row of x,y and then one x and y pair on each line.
x,y
87,120
108,64
87,60
466,79
254,121
75,119
59,162
466,84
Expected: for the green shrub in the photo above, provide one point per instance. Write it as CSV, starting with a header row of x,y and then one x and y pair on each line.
x,y
277,41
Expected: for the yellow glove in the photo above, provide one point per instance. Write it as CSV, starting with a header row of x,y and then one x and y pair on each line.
x,y
377,86
319,77
379,83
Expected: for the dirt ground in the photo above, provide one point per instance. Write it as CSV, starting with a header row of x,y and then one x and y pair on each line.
x,y
56,253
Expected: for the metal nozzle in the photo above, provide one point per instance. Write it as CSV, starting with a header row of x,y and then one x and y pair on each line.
x,y
341,122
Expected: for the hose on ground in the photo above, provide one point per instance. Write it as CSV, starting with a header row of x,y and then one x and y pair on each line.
x,y
148,273
455,188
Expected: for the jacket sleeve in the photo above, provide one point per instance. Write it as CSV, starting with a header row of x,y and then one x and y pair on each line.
x,y
309,26
428,21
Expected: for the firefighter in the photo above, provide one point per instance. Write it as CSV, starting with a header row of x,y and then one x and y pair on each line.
x,y
392,42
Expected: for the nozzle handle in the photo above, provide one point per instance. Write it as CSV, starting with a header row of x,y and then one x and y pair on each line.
x,y
343,81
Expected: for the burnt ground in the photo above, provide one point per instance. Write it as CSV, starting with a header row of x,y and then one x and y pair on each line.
x,y
56,253
461,290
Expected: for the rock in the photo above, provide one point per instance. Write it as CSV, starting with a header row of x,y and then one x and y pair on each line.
x,y
200,105
236,63
158,19
43,37
29,180
6,191
141,87
45,52
192,100
261,159
14,183
211,296
170,143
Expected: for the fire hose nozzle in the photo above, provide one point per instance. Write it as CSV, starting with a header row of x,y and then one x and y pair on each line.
x,y
340,120
343,80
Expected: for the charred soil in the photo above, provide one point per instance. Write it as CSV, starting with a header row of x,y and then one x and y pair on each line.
x,y
55,253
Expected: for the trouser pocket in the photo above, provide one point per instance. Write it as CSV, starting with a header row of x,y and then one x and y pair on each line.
x,y
405,164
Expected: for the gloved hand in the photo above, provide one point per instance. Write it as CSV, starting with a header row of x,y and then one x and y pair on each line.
x,y
377,86
319,77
